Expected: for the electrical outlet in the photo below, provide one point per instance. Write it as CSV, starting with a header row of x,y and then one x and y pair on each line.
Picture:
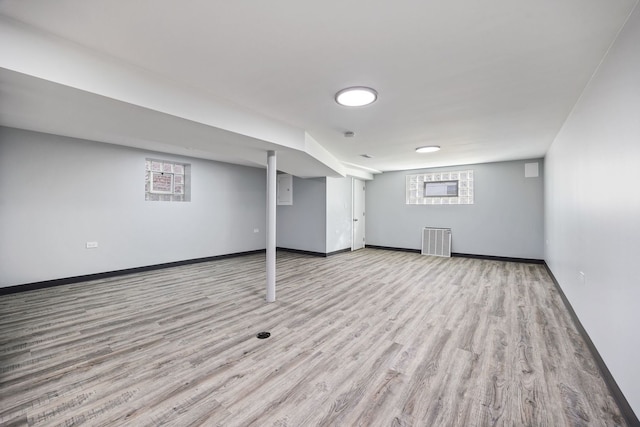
x,y
92,245
582,279
256,230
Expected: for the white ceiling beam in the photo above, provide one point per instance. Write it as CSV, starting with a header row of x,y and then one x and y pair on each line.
x,y
35,53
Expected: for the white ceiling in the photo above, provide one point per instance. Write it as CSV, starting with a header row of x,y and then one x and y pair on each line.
x,y
488,81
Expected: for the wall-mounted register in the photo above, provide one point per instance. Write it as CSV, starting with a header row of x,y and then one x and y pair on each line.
x,y
436,241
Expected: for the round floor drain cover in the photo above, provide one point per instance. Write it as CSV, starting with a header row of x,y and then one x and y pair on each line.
x,y
263,335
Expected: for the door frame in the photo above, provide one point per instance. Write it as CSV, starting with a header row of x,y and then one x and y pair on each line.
x,y
355,183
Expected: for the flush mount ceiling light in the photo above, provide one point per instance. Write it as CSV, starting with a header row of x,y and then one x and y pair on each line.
x,y
428,149
358,96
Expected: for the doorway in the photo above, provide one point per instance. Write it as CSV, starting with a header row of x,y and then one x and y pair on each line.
x,y
358,189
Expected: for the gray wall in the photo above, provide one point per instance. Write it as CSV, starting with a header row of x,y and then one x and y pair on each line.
x,y
505,220
592,209
302,226
58,193
319,219
339,218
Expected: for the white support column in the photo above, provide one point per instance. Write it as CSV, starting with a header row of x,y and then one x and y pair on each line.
x,y
271,226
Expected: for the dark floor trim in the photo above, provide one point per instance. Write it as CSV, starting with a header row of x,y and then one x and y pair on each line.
x,y
459,255
68,280
391,248
76,279
301,252
321,254
339,251
499,258
623,404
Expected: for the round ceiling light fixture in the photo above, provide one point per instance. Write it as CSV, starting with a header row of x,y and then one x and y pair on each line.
x,y
428,149
357,96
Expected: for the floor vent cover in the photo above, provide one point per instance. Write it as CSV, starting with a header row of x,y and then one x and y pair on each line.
x,y
436,241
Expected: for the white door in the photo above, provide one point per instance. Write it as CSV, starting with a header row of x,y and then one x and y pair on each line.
x,y
357,241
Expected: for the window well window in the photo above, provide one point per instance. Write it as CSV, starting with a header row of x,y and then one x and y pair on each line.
x,y
167,181
440,188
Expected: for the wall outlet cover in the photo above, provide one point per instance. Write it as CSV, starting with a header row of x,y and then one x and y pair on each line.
x,y
581,277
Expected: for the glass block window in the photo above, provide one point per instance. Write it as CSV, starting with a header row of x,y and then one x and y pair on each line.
x,y
416,188
166,181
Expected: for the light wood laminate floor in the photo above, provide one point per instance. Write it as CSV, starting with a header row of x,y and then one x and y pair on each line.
x,y
371,338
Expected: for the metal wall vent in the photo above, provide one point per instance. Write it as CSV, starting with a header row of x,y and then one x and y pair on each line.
x,y
436,241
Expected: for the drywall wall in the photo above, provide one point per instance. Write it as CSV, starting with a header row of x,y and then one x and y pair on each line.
x,y
592,209
58,193
505,220
302,226
339,220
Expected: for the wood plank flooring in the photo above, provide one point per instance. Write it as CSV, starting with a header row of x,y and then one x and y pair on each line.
x,y
366,338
